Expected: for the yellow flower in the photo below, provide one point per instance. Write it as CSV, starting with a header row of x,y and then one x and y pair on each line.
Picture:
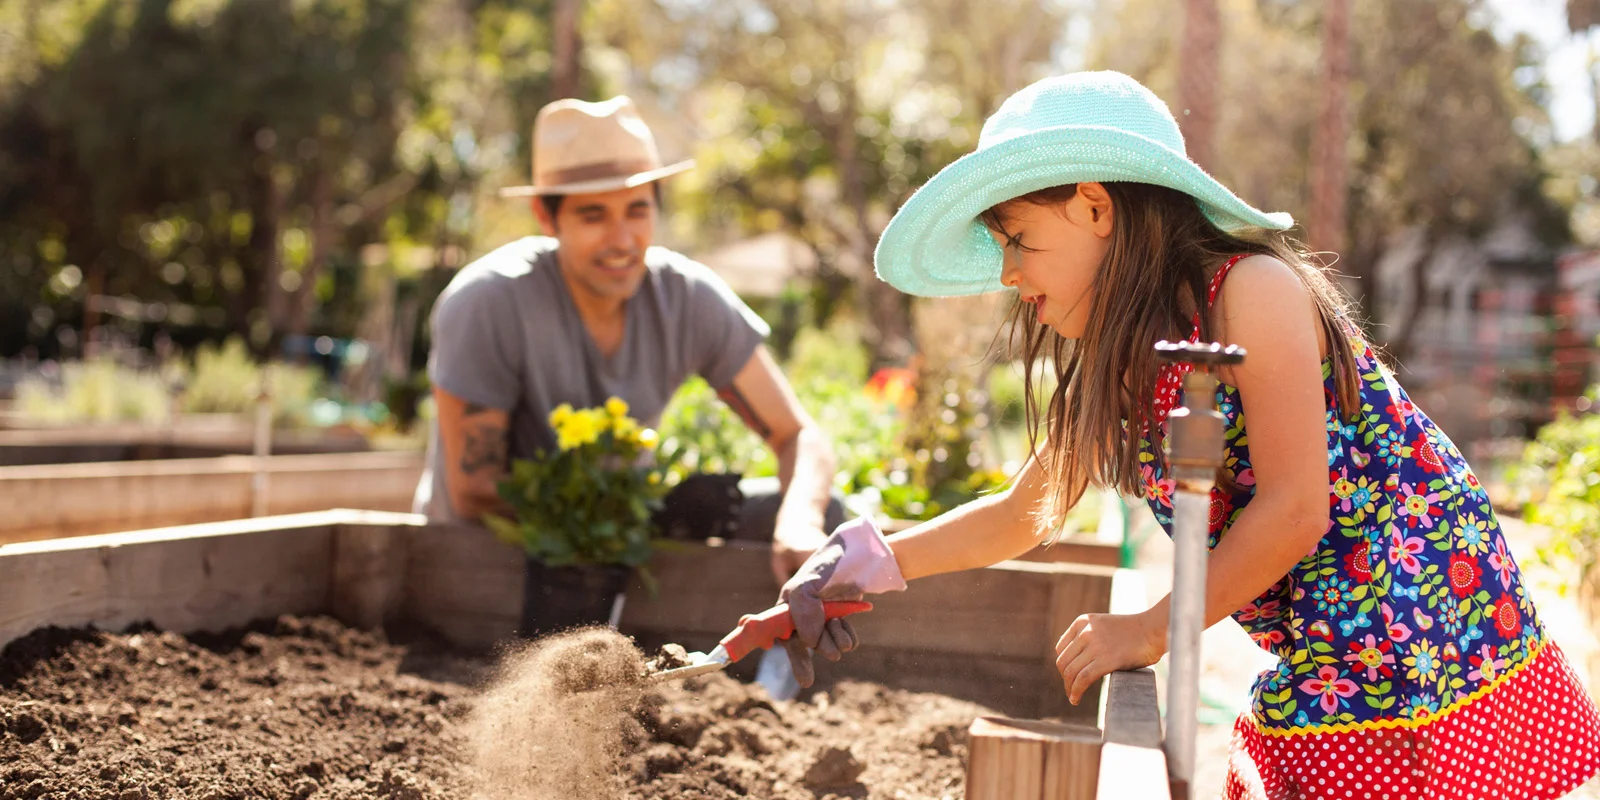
x,y
616,407
654,479
580,428
649,438
625,428
560,415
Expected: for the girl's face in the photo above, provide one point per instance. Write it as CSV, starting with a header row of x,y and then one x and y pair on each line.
x,y
1052,254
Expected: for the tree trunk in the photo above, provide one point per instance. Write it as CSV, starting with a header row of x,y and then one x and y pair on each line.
x,y
1408,318
566,49
323,233
1329,171
888,319
261,274
1198,74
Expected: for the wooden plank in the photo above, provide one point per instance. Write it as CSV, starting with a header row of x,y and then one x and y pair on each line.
x,y
1013,759
38,502
205,577
461,582
368,574
1085,550
1132,763
1002,611
1089,593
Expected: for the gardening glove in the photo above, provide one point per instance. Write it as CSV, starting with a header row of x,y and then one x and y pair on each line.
x,y
853,562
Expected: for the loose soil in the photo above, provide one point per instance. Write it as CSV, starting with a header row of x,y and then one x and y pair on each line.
x,y
304,707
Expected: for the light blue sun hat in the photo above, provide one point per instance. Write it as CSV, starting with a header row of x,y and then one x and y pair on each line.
x,y
1085,126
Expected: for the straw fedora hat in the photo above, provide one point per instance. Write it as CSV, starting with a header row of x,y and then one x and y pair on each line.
x,y
582,148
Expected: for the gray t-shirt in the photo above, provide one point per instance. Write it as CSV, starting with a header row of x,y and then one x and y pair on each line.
x,y
507,335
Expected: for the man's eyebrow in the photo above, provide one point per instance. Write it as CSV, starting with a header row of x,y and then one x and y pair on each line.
x,y
592,208
638,204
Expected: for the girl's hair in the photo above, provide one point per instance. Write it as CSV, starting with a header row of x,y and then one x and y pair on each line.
x,y
1155,276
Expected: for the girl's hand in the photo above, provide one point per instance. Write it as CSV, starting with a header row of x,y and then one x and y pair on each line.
x,y
1097,645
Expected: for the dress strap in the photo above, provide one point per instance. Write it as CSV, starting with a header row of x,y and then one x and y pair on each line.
x,y
1171,375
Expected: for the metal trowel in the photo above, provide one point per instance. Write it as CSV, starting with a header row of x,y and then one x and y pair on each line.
x,y
755,631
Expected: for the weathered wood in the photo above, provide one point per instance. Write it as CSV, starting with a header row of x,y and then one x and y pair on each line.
x,y
1012,759
182,579
1132,763
1090,594
461,582
368,574
41,502
1077,550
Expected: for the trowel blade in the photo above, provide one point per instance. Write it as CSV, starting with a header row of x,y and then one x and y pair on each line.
x,y
776,675
700,664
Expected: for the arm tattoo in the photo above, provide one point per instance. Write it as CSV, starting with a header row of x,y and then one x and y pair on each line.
x,y
736,401
474,408
484,447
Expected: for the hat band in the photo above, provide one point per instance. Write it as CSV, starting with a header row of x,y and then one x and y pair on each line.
x,y
597,170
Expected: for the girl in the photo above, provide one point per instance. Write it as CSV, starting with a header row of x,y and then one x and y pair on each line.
x,y
1349,537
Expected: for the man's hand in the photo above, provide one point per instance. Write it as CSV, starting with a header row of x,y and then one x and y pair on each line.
x,y
1096,645
792,544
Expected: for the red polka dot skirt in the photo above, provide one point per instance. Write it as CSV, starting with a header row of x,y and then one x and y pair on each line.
x,y
1532,736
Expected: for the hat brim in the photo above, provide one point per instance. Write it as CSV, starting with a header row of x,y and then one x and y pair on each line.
x,y
601,184
935,246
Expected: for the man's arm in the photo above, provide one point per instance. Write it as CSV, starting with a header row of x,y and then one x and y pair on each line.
x,y
474,442
762,397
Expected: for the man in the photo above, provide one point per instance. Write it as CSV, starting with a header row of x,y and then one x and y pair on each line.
x,y
593,311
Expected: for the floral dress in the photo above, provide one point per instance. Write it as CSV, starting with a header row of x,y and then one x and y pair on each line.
x,y
1411,661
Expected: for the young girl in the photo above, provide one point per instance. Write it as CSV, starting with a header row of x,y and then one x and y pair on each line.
x,y
1349,537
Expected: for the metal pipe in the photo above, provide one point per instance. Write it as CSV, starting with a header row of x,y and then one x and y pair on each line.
x,y
1195,443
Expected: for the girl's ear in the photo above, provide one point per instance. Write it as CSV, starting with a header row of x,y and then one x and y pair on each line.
x,y
1097,202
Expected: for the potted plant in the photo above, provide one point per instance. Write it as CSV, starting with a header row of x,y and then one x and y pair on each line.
x,y
583,515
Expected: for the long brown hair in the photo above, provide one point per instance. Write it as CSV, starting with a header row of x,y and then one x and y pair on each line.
x,y
1155,274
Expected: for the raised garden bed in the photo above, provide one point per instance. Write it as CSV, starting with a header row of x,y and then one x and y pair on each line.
x,y
55,500
367,569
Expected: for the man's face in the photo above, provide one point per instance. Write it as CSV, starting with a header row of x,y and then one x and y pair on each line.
x,y
603,239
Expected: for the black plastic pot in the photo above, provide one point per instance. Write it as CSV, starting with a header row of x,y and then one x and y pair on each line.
x,y
558,598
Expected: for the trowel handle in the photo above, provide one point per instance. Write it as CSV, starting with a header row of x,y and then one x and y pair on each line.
x,y
762,631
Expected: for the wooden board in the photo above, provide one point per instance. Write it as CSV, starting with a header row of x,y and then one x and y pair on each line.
x,y
467,585
1012,759
51,501
181,579
1132,763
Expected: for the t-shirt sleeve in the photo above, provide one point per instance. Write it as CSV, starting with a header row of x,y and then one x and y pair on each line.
x,y
474,347
724,331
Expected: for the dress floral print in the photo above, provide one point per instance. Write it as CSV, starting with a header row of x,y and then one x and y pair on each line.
x,y
1408,611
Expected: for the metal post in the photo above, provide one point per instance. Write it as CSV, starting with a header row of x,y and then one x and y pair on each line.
x,y
263,447
1195,444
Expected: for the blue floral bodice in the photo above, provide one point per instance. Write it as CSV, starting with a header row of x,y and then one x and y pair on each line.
x,y
1409,605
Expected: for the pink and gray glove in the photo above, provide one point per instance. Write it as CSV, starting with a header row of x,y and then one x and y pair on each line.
x,y
853,562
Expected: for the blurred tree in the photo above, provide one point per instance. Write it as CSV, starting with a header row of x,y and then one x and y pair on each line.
x,y
1329,160
236,164
1437,118
821,116
1197,77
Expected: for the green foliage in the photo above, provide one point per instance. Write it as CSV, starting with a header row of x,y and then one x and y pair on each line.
x,y
226,380
590,501
1565,461
96,391
707,436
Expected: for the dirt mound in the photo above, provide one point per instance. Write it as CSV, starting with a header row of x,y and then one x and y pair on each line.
x,y
306,708
295,707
